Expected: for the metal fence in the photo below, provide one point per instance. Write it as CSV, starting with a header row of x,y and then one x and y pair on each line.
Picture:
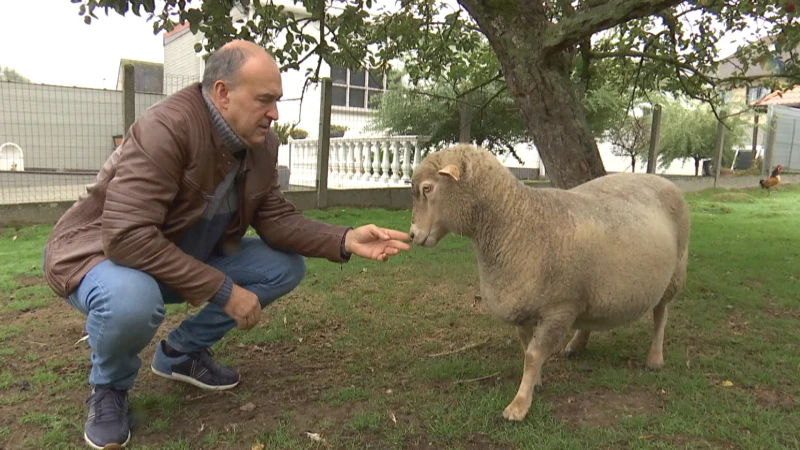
x,y
54,139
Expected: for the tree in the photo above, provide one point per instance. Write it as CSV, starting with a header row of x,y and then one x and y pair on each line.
x,y
689,131
540,47
631,139
9,74
437,108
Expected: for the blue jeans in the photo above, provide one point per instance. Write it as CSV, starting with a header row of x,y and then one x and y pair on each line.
x,y
124,307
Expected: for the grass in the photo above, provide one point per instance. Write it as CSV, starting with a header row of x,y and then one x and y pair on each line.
x,y
347,355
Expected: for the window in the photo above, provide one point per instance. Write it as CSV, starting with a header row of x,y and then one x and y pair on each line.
x,y
756,93
356,88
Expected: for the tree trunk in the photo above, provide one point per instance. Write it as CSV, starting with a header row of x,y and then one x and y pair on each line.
x,y
547,98
555,118
633,163
696,166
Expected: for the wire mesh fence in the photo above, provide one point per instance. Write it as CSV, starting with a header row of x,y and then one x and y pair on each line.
x,y
54,139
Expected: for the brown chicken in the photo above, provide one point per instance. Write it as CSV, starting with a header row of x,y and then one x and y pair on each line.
x,y
773,180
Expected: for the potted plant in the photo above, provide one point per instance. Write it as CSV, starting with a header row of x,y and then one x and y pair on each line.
x,y
283,131
337,131
298,133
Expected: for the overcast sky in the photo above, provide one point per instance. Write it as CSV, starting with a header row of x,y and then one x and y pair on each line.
x,y
51,44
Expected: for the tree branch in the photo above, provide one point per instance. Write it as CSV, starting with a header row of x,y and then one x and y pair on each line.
x,y
586,22
681,65
654,57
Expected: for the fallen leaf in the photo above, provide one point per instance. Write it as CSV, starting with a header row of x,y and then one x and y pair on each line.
x,y
314,436
248,407
392,416
202,427
258,446
727,383
14,238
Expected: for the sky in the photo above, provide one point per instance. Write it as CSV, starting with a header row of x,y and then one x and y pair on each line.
x,y
55,46
51,44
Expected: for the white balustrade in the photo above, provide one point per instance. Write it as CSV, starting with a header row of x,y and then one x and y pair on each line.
x,y
362,162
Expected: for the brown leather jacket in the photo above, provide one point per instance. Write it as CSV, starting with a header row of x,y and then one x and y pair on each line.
x,y
156,185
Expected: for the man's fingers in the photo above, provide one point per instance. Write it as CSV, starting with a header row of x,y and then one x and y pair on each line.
x,y
395,234
398,245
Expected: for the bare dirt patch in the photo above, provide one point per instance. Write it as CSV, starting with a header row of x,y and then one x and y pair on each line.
x,y
27,280
771,398
600,408
269,381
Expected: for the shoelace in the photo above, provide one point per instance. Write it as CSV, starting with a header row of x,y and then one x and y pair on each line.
x,y
206,358
109,404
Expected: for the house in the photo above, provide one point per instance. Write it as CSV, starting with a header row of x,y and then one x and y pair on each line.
x,y
765,105
742,97
148,76
784,108
351,91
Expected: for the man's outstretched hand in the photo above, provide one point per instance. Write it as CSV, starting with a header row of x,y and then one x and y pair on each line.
x,y
376,243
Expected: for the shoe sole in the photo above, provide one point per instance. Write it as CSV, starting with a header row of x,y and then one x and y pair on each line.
x,y
107,446
192,381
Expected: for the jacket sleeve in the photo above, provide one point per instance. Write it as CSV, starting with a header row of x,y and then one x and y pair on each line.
x,y
147,178
283,227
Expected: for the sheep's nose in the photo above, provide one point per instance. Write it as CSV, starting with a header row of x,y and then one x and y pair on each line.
x,y
411,234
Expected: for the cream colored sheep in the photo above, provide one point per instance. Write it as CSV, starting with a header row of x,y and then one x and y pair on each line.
x,y
591,258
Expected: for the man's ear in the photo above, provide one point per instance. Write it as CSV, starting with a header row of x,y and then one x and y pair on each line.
x,y
451,171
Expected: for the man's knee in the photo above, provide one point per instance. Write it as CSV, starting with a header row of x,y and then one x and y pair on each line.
x,y
290,272
295,270
128,298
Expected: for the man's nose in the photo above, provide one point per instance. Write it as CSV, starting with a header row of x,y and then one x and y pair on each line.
x,y
272,113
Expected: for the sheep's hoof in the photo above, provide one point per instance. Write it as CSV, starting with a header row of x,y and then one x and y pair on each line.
x,y
537,388
655,365
515,411
570,353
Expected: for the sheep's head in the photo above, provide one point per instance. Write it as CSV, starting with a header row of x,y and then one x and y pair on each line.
x,y
438,196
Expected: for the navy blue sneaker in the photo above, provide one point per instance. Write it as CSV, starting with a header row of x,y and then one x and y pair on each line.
x,y
196,368
108,425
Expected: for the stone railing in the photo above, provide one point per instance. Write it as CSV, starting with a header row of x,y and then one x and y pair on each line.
x,y
362,162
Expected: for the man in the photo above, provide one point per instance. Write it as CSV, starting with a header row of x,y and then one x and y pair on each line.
x,y
164,222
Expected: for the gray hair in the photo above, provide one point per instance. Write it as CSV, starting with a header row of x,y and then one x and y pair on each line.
x,y
223,64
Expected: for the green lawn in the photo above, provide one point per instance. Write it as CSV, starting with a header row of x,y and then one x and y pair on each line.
x,y
351,355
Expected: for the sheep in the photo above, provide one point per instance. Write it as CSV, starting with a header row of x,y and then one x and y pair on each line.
x,y
591,258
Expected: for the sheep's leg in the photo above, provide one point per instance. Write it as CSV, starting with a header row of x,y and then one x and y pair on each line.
x,y
655,359
578,343
545,341
525,333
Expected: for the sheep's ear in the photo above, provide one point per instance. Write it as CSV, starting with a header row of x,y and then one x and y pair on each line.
x,y
450,170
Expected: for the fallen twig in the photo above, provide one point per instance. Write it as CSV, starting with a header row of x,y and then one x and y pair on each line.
x,y
37,343
477,379
459,350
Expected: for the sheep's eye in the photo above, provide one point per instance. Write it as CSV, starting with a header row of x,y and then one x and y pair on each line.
x,y
426,188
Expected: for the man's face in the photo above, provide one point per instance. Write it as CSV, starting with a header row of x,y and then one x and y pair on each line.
x,y
251,104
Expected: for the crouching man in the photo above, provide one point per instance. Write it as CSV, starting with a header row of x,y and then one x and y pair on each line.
x,y
165,222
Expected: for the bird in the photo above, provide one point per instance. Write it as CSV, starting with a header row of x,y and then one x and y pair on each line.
x,y
773,180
